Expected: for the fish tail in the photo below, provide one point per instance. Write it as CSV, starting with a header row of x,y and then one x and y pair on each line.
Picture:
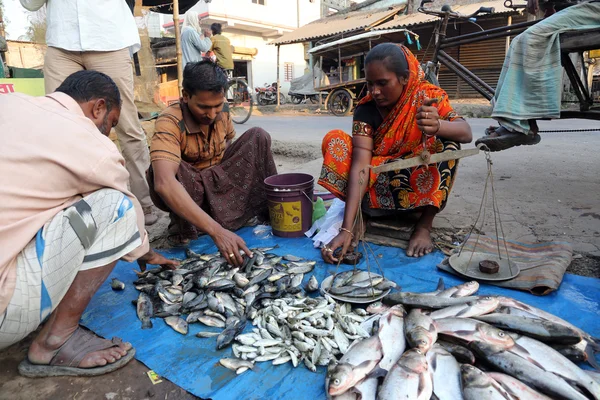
x,y
147,324
591,355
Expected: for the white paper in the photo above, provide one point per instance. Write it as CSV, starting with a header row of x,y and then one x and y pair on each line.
x,y
328,226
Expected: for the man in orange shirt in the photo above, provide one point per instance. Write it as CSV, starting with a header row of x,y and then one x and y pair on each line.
x,y
66,218
208,183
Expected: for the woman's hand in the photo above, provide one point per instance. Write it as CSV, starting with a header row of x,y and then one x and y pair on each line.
x,y
230,244
343,240
428,119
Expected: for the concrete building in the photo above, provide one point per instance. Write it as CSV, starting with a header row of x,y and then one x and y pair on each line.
x,y
251,25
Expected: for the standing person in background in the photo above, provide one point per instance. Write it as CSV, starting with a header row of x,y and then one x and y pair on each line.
x,y
194,41
101,36
221,46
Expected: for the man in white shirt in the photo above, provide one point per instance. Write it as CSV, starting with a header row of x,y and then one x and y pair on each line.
x,y
101,36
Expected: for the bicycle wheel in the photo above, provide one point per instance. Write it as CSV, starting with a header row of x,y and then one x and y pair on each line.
x,y
240,100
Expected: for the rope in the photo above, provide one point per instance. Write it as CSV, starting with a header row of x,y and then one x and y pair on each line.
x,y
570,130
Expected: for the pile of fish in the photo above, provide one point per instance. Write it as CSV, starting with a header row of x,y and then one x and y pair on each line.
x,y
451,345
359,284
209,291
299,329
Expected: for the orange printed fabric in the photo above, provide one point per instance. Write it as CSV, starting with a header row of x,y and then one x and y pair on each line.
x,y
398,137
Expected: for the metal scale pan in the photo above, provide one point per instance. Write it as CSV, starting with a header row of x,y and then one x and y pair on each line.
x,y
467,264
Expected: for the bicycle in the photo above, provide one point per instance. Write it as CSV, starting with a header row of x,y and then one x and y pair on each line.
x,y
569,44
239,98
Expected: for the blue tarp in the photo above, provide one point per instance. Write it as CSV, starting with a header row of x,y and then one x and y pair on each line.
x,y
191,362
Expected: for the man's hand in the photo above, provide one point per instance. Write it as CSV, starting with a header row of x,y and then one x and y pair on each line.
x,y
230,244
154,258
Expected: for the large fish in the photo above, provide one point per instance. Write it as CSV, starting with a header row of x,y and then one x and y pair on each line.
x,y
462,290
477,385
484,305
424,301
391,335
542,330
525,371
367,389
460,353
410,379
466,330
358,362
552,361
517,388
420,330
445,372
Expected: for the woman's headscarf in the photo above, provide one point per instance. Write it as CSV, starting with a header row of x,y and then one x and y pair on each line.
x,y
192,20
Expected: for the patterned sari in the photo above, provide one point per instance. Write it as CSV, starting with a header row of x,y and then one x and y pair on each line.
x,y
397,137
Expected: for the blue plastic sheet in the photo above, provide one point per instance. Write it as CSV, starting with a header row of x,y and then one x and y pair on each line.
x,y
191,362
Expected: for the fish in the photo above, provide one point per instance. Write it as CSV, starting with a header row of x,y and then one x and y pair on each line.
x,y
211,321
484,305
516,388
206,334
525,371
221,284
477,385
420,330
312,284
354,366
144,310
391,335
341,278
542,330
193,317
460,353
367,389
178,324
235,364
293,258
574,352
301,268
377,308
462,290
410,378
446,373
466,330
552,361
116,284
440,287
230,332
424,301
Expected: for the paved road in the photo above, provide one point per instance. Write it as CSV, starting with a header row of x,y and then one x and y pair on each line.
x,y
546,192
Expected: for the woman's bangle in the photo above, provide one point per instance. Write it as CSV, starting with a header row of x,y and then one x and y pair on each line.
x,y
439,126
347,230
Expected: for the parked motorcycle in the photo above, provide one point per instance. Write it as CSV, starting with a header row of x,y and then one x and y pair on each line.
x,y
268,95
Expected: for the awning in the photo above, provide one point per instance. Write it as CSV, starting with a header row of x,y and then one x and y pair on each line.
x,y
339,23
366,35
405,21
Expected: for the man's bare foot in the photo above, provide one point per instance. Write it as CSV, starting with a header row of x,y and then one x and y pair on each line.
x,y
420,242
43,350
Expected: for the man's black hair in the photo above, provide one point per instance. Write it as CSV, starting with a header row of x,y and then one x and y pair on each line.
x,y
88,85
204,75
216,28
391,56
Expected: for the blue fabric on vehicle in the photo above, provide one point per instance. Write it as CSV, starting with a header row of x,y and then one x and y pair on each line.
x,y
191,362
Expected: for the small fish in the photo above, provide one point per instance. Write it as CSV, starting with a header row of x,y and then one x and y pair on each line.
x,y
290,257
235,364
116,284
301,268
207,334
144,310
211,321
312,284
178,324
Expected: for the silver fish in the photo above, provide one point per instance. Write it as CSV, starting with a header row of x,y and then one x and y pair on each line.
x,y
312,284
445,372
206,334
144,310
542,330
477,385
391,335
462,290
420,330
235,364
516,388
425,301
484,305
116,284
178,324
408,379
211,321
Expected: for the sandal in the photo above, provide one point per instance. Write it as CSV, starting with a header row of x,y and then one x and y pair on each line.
x,y
66,361
507,139
177,235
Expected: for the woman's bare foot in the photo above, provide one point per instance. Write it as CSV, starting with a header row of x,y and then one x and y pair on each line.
x,y
45,346
420,242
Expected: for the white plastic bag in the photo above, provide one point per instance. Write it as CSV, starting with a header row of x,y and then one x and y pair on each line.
x,y
328,226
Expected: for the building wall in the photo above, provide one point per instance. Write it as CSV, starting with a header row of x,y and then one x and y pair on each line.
x,y
264,64
281,13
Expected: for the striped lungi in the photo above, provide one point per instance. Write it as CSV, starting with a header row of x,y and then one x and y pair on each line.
x,y
95,231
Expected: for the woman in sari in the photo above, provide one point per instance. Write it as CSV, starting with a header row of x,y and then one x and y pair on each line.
x,y
400,114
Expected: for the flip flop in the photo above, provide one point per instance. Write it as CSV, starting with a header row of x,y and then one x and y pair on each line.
x,y
508,140
65,362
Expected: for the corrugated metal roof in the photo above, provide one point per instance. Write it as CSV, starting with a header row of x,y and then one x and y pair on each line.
x,y
350,39
419,18
337,24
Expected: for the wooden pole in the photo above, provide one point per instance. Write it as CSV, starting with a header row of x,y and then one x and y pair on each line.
x,y
178,45
278,82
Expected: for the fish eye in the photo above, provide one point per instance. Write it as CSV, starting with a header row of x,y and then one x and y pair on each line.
x,y
501,334
336,382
